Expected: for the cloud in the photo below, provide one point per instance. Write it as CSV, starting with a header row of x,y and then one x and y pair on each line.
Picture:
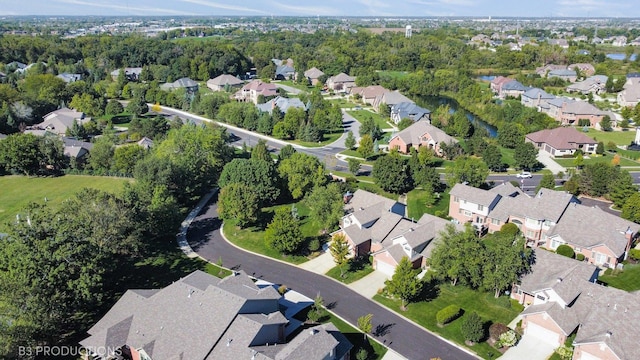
x,y
126,8
215,5
303,10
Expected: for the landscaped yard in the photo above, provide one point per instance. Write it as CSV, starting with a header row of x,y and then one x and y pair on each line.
x,y
490,309
352,272
343,103
618,137
252,238
18,191
628,280
360,115
416,204
327,139
375,350
569,162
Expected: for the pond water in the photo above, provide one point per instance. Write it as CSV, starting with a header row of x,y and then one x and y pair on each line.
x,y
433,102
621,56
486,77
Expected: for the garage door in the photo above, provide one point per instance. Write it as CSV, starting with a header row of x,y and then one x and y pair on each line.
x,y
385,268
542,333
587,356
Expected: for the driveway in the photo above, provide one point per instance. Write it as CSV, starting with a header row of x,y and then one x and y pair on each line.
x,y
319,265
368,286
530,348
548,162
401,335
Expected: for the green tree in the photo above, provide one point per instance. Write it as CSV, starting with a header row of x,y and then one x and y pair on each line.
x,y
458,256
317,311
578,162
238,202
391,173
101,155
622,188
404,284
51,150
525,156
137,106
326,205
596,179
283,232
365,148
600,148
261,152
364,324
605,123
467,169
473,328
126,157
506,260
369,127
493,158
548,181
631,209
350,140
354,165
259,175
510,135
20,153
301,172
286,152
339,250
404,123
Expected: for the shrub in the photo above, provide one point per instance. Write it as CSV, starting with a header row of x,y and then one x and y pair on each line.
x,y
282,289
565,352
508,339
580,257
497,329
565,250
314,245
472,328
634,254
510,229
448,314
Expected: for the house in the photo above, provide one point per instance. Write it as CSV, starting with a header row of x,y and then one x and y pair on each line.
x,y
313,75
369,94
421,133
69,78
562,141
284,104
224,82
573,111
534,97
409,110
190,86
584,68
389,98
544,70
253,90
145,143
284,69
58,122
76,149
132,73
562,300
604,239
497,82
203,317
563,43
564,74
593,84
341,82
630,95
619,40
512,88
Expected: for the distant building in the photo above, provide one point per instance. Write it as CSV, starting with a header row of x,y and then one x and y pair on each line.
x,y
58,122
183,83
132,73
407,31
69,78
224,81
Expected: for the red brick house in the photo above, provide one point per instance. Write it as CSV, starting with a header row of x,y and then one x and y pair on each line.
x,y
421,133
562,141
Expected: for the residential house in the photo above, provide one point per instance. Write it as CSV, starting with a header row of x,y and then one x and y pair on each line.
x,y
76,149
534,97
584,68
619,40
563,299
563,43
409,110
572,112
544,70
512,89
341,82
69,78
480,39
389,98
593,84
15,65
132,73
630,95
313,75
562,141
224,82
369,94
253,90
564,74
284,69
284,104
497,82
145,143
581,38
421,133
190,86
58,122
204,317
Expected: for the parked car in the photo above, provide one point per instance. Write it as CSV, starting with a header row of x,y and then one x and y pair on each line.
x,y
524,175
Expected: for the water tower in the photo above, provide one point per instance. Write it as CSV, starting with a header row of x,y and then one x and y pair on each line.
x,y
407,31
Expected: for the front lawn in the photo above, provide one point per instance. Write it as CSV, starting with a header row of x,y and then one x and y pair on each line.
x,y
252,238
569,162
628,279
355,337
618,137
353,271
360,115
327,139
491,310
416,204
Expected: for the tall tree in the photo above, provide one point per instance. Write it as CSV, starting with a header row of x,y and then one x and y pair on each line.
x,y
286,152
404,284
261,152
525,155
507,259
548,181
510,135
326,205
101,155
631,209
622,188
350,140
259,175
239,203
283,232
605,123
391,172
458,256
20,152
354,165
365,148
339,250
493,158
364,324
301,172
467,169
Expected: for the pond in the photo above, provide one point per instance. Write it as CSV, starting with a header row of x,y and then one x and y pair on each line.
x,y
486,77
433,102
621,56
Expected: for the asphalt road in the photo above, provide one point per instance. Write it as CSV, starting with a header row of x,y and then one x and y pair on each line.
x,y
411,341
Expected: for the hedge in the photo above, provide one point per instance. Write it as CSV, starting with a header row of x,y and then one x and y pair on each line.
x,y
580,257
448,314
634,254
565,250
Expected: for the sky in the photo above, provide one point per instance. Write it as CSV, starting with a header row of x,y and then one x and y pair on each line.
x,y
382,8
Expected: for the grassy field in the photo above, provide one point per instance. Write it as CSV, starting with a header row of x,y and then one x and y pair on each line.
x,y
294,84
252,238
490,309
18,191
360,115
569,162
628,279
416,204
618,137
328,139
343,103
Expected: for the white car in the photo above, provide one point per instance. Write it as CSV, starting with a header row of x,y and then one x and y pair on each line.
x,y
524,175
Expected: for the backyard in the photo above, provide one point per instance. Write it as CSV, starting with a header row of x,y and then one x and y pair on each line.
x,y
417,204
628,279
361,115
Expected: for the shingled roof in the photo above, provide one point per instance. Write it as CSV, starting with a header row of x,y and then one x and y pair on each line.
x,y
562,138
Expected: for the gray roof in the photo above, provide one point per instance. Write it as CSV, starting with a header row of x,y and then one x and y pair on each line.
x,y
285,70
562,138
60,120
546,205
413,133
282,103
67,77
534,93
588,227
409,110
562,72
582,108
566,318
474,195
385,222
314,343
588,83
224,79
342,77
313,73
362,199
514,85
506,189
180,83
394,97
76,148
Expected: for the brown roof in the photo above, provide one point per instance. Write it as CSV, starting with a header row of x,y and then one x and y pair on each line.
x,y
412,134
562,138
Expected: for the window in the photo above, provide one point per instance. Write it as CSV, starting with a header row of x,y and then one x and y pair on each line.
x,y
540,297
456,199
468,213
555,243
480,207
530,233
495,221
577,250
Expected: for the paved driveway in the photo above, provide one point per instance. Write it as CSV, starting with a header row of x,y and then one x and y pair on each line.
x,y
368,286
319,265
408,339
530,348
549,163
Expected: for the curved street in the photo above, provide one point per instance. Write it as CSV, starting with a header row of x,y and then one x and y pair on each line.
x,y
409,340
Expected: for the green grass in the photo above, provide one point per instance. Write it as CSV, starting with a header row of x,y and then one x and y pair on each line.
x,y
569,162
618,137
18,191
490,309
343,103
360,115
375,350
350,175
252,238
416,204
353,271
327,139
628,279
396,75
294,84
507,156
374,188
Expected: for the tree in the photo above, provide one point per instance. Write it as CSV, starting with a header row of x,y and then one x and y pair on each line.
x,y
525,155
286,152
350,140
369,127
473,328
261,152
493,158
392,173
326,205
506,260
339,249
317,311
404,123
596,179
126,157
600,148
354,165
578,162
467,169
114,107
258,175
548,181
404,284
458,256
631,209
238,202
301,173
364,324
283,232
365,148
510,135
137,106
362,354
20,153
605,123
101,155
622,188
